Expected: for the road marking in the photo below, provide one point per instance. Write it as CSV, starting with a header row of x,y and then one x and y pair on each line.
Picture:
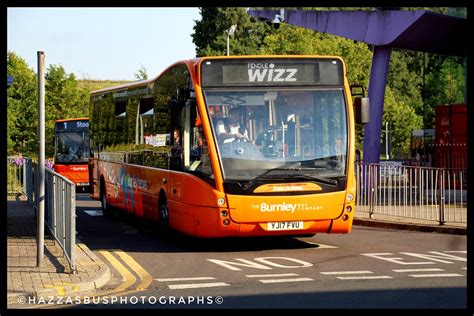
x,y
93,213
185,279
270,275
393,259
61,288
142,273
320,246
464,268
346,272
192,285
286,280
435,275
366,277
418,270
436,256
196,285
127,276
375,277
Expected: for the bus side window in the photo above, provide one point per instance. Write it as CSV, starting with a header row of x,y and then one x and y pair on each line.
x,y
176,151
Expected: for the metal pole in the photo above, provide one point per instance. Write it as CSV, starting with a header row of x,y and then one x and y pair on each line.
x,y
230,32
387,154
41,167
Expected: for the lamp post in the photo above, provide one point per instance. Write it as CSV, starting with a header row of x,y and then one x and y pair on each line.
x,y
230,32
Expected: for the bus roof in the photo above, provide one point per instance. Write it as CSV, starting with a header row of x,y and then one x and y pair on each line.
x,y
144,82
196,61
72,119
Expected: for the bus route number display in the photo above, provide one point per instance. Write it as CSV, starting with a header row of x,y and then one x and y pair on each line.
x,y
72,126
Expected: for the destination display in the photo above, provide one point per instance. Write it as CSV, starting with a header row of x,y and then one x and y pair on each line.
x,y
69,126
271,72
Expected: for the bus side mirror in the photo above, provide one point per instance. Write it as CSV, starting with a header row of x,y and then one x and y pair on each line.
x,y
362,110
361,104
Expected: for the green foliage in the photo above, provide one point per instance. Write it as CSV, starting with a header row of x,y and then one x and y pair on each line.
x,y
405,78
65,98
22,107
141,73
402,119
292,39
444,84
210,33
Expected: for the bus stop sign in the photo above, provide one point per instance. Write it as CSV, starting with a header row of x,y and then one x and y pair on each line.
x,y
9,81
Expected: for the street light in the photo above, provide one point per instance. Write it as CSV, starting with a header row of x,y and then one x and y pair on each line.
x,y
230,32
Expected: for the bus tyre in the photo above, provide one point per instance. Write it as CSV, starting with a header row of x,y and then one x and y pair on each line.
x,y
163,218
106,208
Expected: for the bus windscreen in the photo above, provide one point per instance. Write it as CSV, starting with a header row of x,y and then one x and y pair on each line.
x,y
72,147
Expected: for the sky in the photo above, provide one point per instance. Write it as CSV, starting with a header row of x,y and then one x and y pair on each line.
x,y
103,43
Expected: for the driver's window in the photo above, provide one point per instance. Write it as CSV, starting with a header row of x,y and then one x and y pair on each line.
x,y
198,153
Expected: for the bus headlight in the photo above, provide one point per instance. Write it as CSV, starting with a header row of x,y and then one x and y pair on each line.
x,y
350,197
220,201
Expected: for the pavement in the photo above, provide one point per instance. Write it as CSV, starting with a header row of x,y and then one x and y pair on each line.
x,y
25,280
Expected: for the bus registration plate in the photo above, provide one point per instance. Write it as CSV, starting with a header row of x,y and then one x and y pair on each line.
x,y
284,225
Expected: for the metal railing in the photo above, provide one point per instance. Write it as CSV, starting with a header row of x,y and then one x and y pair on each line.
x,y
60,201
422,193
60,213
20,177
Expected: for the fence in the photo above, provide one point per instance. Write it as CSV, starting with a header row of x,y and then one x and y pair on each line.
x,y
423,193
60,201
20,176
60,213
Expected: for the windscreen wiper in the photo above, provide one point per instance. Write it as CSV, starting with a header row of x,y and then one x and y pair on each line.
x,y
310,177
291,176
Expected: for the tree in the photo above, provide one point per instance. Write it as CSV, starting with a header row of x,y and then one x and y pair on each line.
x,y
405,78
210,33
22,107
64,99
292,39
141,74
403,120
444,84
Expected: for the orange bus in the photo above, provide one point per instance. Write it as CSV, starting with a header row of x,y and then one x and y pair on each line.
x,y
230,146
71,150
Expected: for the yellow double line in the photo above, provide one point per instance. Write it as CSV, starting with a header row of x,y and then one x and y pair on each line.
x,y
128,278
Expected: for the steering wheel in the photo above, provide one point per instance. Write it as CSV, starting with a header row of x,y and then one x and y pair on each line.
x,y
242,140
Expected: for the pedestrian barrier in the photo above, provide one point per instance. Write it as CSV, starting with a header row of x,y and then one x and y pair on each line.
x,y
60,200
19,176
412,192
60,213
